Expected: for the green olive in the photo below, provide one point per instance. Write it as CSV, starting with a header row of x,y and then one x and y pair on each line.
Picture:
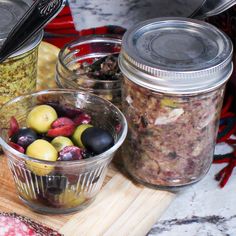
x,y
60,142
41,150
41,117
72,199
76,137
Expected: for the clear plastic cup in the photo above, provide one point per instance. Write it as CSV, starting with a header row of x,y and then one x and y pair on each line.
x,y
70,185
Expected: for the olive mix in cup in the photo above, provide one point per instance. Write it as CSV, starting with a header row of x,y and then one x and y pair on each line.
x,y
59,144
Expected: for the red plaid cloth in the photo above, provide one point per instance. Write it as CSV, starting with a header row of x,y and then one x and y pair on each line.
x,y
227,129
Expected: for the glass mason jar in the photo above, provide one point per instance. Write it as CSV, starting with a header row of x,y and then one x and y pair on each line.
x,y
175,71
73,58
18,73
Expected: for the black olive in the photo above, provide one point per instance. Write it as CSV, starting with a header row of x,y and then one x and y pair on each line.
x,y
86,154
45,137
54,184
24,137
97,140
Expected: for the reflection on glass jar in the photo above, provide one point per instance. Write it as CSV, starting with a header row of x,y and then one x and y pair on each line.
x,y
172,94
90,64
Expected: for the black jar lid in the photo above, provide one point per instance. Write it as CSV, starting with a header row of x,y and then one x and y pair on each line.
x,y
10,13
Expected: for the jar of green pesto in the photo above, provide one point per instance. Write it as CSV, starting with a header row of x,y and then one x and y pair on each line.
x,y
18,73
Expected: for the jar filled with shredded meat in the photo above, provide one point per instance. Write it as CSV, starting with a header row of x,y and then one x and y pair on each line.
x,y
175,71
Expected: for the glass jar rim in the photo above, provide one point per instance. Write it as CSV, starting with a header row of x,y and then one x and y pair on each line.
x,y
116,39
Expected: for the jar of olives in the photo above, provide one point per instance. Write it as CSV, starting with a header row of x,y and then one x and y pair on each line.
x,y
90,64
18,73
175,71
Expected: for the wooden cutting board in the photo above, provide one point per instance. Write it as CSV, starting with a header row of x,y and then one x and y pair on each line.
x,y
121,208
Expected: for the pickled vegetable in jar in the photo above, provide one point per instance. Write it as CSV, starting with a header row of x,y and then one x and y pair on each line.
x,y
175,71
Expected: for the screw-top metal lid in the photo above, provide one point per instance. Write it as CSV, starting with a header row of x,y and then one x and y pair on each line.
x,y
10,12
176,55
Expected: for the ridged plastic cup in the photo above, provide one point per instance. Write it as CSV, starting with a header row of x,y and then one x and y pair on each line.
x,y
82,179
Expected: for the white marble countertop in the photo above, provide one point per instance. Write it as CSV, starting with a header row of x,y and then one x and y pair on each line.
x,y
125,13
203,209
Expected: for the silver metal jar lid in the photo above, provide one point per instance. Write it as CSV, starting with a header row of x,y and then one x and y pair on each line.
x,y
176,55
10,12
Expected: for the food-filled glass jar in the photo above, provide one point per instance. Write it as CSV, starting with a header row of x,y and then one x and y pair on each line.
x,y
90,64
175,71
18,73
